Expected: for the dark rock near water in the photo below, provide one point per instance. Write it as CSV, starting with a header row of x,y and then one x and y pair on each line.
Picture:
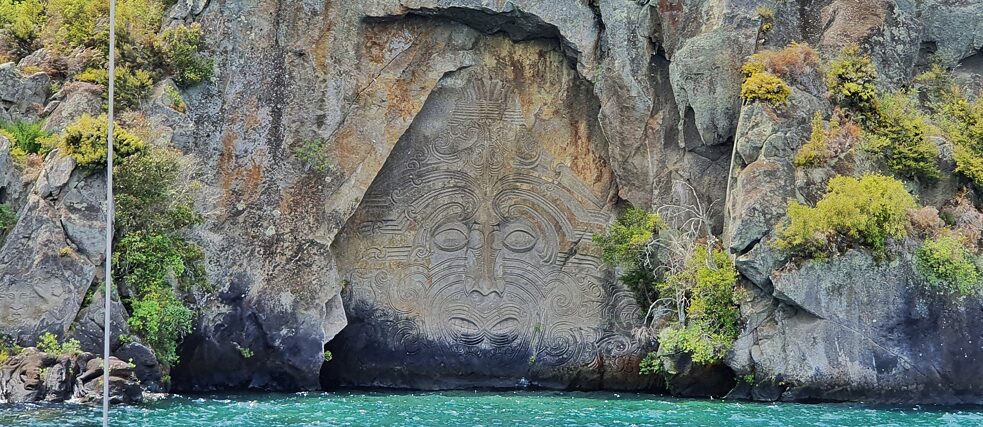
x,y
34,376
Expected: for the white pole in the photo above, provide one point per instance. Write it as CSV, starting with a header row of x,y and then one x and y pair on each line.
x,y
110,206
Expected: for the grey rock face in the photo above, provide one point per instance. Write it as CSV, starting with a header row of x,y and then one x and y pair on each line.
x,y
342,73
88,325
145,365
14,185
21,97
73,101
48,260
469,262
855,329
355,75
40,290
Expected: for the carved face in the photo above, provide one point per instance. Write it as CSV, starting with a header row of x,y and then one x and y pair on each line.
x,y
481,241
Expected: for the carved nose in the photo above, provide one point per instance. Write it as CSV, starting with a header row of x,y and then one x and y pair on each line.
x,y
482,276
484,283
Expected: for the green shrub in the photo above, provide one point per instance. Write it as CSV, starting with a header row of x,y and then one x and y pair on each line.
x,y
947,264
852,81
26,138
962,122
22,21
154,262
178,47
314,153
7,351
150,193
328,356
162,320
899,135
7,217
760,85
933,86
48,343
816,152
246,352
85,141
132,86
650,364
73,23
175,98
146,262
712,317
624,244
865,211
708,287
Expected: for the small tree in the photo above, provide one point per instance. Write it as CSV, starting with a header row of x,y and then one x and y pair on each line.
x,y
693,278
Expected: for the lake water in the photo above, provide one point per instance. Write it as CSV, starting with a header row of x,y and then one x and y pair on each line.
x,y
446,409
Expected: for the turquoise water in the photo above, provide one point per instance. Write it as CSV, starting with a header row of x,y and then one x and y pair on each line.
x,y
446,409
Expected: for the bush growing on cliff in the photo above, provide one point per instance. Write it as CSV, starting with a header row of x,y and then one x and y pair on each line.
x,y
852,79
314,153
947,264
48,343
178,47
147,262
767,17
74,23
7,218
21,23
154,261
828,140
694,280
625,244
8,349
25,138
712,317
132,86
865,211
85,141
760,85
794,60
898,134
765,72
152,192
816,152
962,122
67,27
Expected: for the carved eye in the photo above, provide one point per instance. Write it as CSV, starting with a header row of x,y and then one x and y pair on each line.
x,y
520,241
507,325
451,237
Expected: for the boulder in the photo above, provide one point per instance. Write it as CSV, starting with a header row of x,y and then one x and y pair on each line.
x,y
124,387
71,102
35,376
21,97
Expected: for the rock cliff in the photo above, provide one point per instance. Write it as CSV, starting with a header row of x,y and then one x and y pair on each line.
x,y
467,151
